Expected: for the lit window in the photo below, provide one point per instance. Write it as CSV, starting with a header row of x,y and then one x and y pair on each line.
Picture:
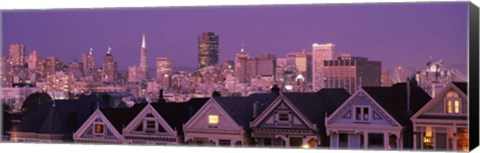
x,y
213,119
428,138
98,128
457,106
449,106
452,103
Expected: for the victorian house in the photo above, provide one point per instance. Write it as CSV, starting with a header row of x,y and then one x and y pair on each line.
x,y
442,124
144,123
106,125
224,121
296,119
54,121
161,123
376,118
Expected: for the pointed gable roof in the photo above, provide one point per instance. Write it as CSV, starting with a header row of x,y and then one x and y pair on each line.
x,y
54,123
177,114
315,105
240,109
462,86
121,117
394,100
65,118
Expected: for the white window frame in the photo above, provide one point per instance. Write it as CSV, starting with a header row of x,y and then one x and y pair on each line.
x,y
280,123
362,113
151,120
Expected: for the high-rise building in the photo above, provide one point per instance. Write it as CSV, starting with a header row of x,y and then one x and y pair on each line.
x,y
386,80
6,76
88,63
164,71
302,62
33,60
109,67
241,66
280,70
76,68
207,49
320,53
351,73
143,67
16,54
133,75
53,65
266,64
400,74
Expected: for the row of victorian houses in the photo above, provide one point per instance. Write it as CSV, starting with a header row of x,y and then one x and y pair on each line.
x,y
399,117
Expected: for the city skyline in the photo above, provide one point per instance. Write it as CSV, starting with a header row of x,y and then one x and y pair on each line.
x,y
363,31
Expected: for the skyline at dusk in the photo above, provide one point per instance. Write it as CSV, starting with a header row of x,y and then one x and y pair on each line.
x,y
390,33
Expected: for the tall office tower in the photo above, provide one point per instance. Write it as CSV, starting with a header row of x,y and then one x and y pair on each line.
x,y
207,50
16,54
241,66
109,67
88,63
133,75
386,80
143,67
320,53
280,70
400,74
351,73
33,60
76,68
302,62
6,76
164,71
266,64
53,65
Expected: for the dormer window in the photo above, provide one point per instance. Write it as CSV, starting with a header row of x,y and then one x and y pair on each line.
x,y
452,103
362,113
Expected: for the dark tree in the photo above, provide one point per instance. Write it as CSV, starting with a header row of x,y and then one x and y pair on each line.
x,y
33,101
216,94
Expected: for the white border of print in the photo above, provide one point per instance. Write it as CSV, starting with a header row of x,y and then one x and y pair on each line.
x,y
82,148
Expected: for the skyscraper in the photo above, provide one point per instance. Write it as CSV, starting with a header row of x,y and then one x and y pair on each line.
x,y
109,67
16,54
266,64
320,53
33,60
351,73
53,65
143,60
164,70
303,63
207,49
241,66
88,63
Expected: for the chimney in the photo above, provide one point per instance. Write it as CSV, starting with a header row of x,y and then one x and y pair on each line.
x,y
255,109
275,89
408,95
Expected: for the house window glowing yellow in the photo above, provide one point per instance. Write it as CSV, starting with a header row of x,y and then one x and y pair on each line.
x,y
213,119
457,106
449,106
98,128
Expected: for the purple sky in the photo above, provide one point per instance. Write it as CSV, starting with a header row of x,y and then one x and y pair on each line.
x,y
396,34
